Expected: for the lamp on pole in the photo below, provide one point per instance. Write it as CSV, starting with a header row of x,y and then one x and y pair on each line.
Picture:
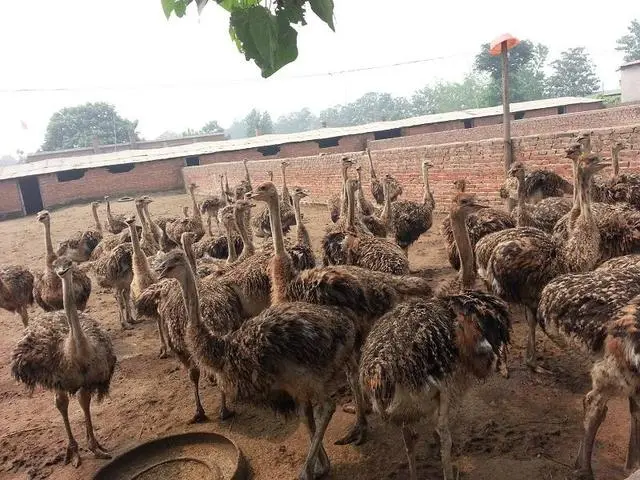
x,y
501,46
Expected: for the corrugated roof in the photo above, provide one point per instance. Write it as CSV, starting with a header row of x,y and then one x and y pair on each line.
x,y
53,165
630,64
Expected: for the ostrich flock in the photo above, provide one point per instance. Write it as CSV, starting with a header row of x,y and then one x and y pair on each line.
x,y
278,328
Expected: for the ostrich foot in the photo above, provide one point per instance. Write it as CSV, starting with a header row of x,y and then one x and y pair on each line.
x,y
322,465
98,450
72,455
163,353
357,435
532,364
127,326
225,413
199,417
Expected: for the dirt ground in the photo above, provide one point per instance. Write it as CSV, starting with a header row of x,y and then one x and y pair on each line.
x,y
525,427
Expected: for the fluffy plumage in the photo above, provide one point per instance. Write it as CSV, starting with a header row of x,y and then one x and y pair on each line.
x,y
16,290
539,184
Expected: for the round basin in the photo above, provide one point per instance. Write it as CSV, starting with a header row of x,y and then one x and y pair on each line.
x,y
186,456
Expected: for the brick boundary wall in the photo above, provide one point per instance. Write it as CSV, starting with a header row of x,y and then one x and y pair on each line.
x,y
624,115
10,201
480,162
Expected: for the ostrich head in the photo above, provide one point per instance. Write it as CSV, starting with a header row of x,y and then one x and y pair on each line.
x,y
264,192
592,164
43,216
173,265
95,205
460,185
244,205
573,151
426,164
516,170
465,204
299,192
192,187
62,265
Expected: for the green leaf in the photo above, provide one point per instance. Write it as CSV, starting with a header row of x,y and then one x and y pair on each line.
x,y
264,31
292,11
180,7
324,10
231,5
168,6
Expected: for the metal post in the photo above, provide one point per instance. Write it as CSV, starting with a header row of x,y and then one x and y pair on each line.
x,y
506,118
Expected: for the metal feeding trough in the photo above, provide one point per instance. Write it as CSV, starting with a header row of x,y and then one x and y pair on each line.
x,y
187,456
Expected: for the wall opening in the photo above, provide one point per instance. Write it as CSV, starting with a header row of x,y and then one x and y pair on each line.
x,y
562,110
269,150
192,161
393,133
518,115
122,168
468,123
69,175
31,197
328,142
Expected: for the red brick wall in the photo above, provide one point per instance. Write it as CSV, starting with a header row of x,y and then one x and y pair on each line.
x,y
10,201
433,127
97,182
627,115
480,162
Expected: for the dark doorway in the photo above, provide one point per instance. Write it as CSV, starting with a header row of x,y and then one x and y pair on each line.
x,y
192,161
31,198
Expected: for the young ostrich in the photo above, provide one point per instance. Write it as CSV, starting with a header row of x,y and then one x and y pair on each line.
x,y
115,224
211,206
538,185
544,214
289,357
260,223
302,252
376,185
16,290
351,247
192,224
479,224
79,247
47,286
599,312
372,224
526,260
157,228
421,356
412,219
67,353
286,197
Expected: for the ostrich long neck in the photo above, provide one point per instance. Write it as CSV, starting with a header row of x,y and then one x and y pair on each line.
x,y
302,235
247,176
361,198
223,194
68,299
145,228
351,208
157,231
48,245
232,254
372,170
109,216
343,193
276,226
285,189
385,215
281,270
209,348
187,246
140,262
96,219
248,249
196,210
523,218
615,161
427,197
465,250
575,208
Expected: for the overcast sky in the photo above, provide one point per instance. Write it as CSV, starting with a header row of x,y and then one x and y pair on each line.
x,y
172,75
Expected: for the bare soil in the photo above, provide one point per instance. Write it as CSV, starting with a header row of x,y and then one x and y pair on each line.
x,y
525,427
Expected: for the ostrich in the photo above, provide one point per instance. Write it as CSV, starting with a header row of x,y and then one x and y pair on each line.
x,y
544,214
420,356
286,197
80,246
227,191
366,207
368,294
376,186
290,356
211,206
337,204
302,252
67,353
115,224
354,248
157,229
371,224
185,211
598,312
480,223
524,261
261,224
412,219
538,185
47,286
16,290
192,224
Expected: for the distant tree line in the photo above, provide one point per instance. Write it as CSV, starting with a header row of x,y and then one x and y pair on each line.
x,y
573,73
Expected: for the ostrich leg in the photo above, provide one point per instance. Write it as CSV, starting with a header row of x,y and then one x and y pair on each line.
x,y
84,398
410,438
358,432
62,404
633,451
194,376
322,415
595,410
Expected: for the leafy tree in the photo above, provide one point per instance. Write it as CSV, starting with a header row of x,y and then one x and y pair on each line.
x,y
630,43
75,127
263,34
526,72
211,127
257,122
371,107
573,74
299,121
451,96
